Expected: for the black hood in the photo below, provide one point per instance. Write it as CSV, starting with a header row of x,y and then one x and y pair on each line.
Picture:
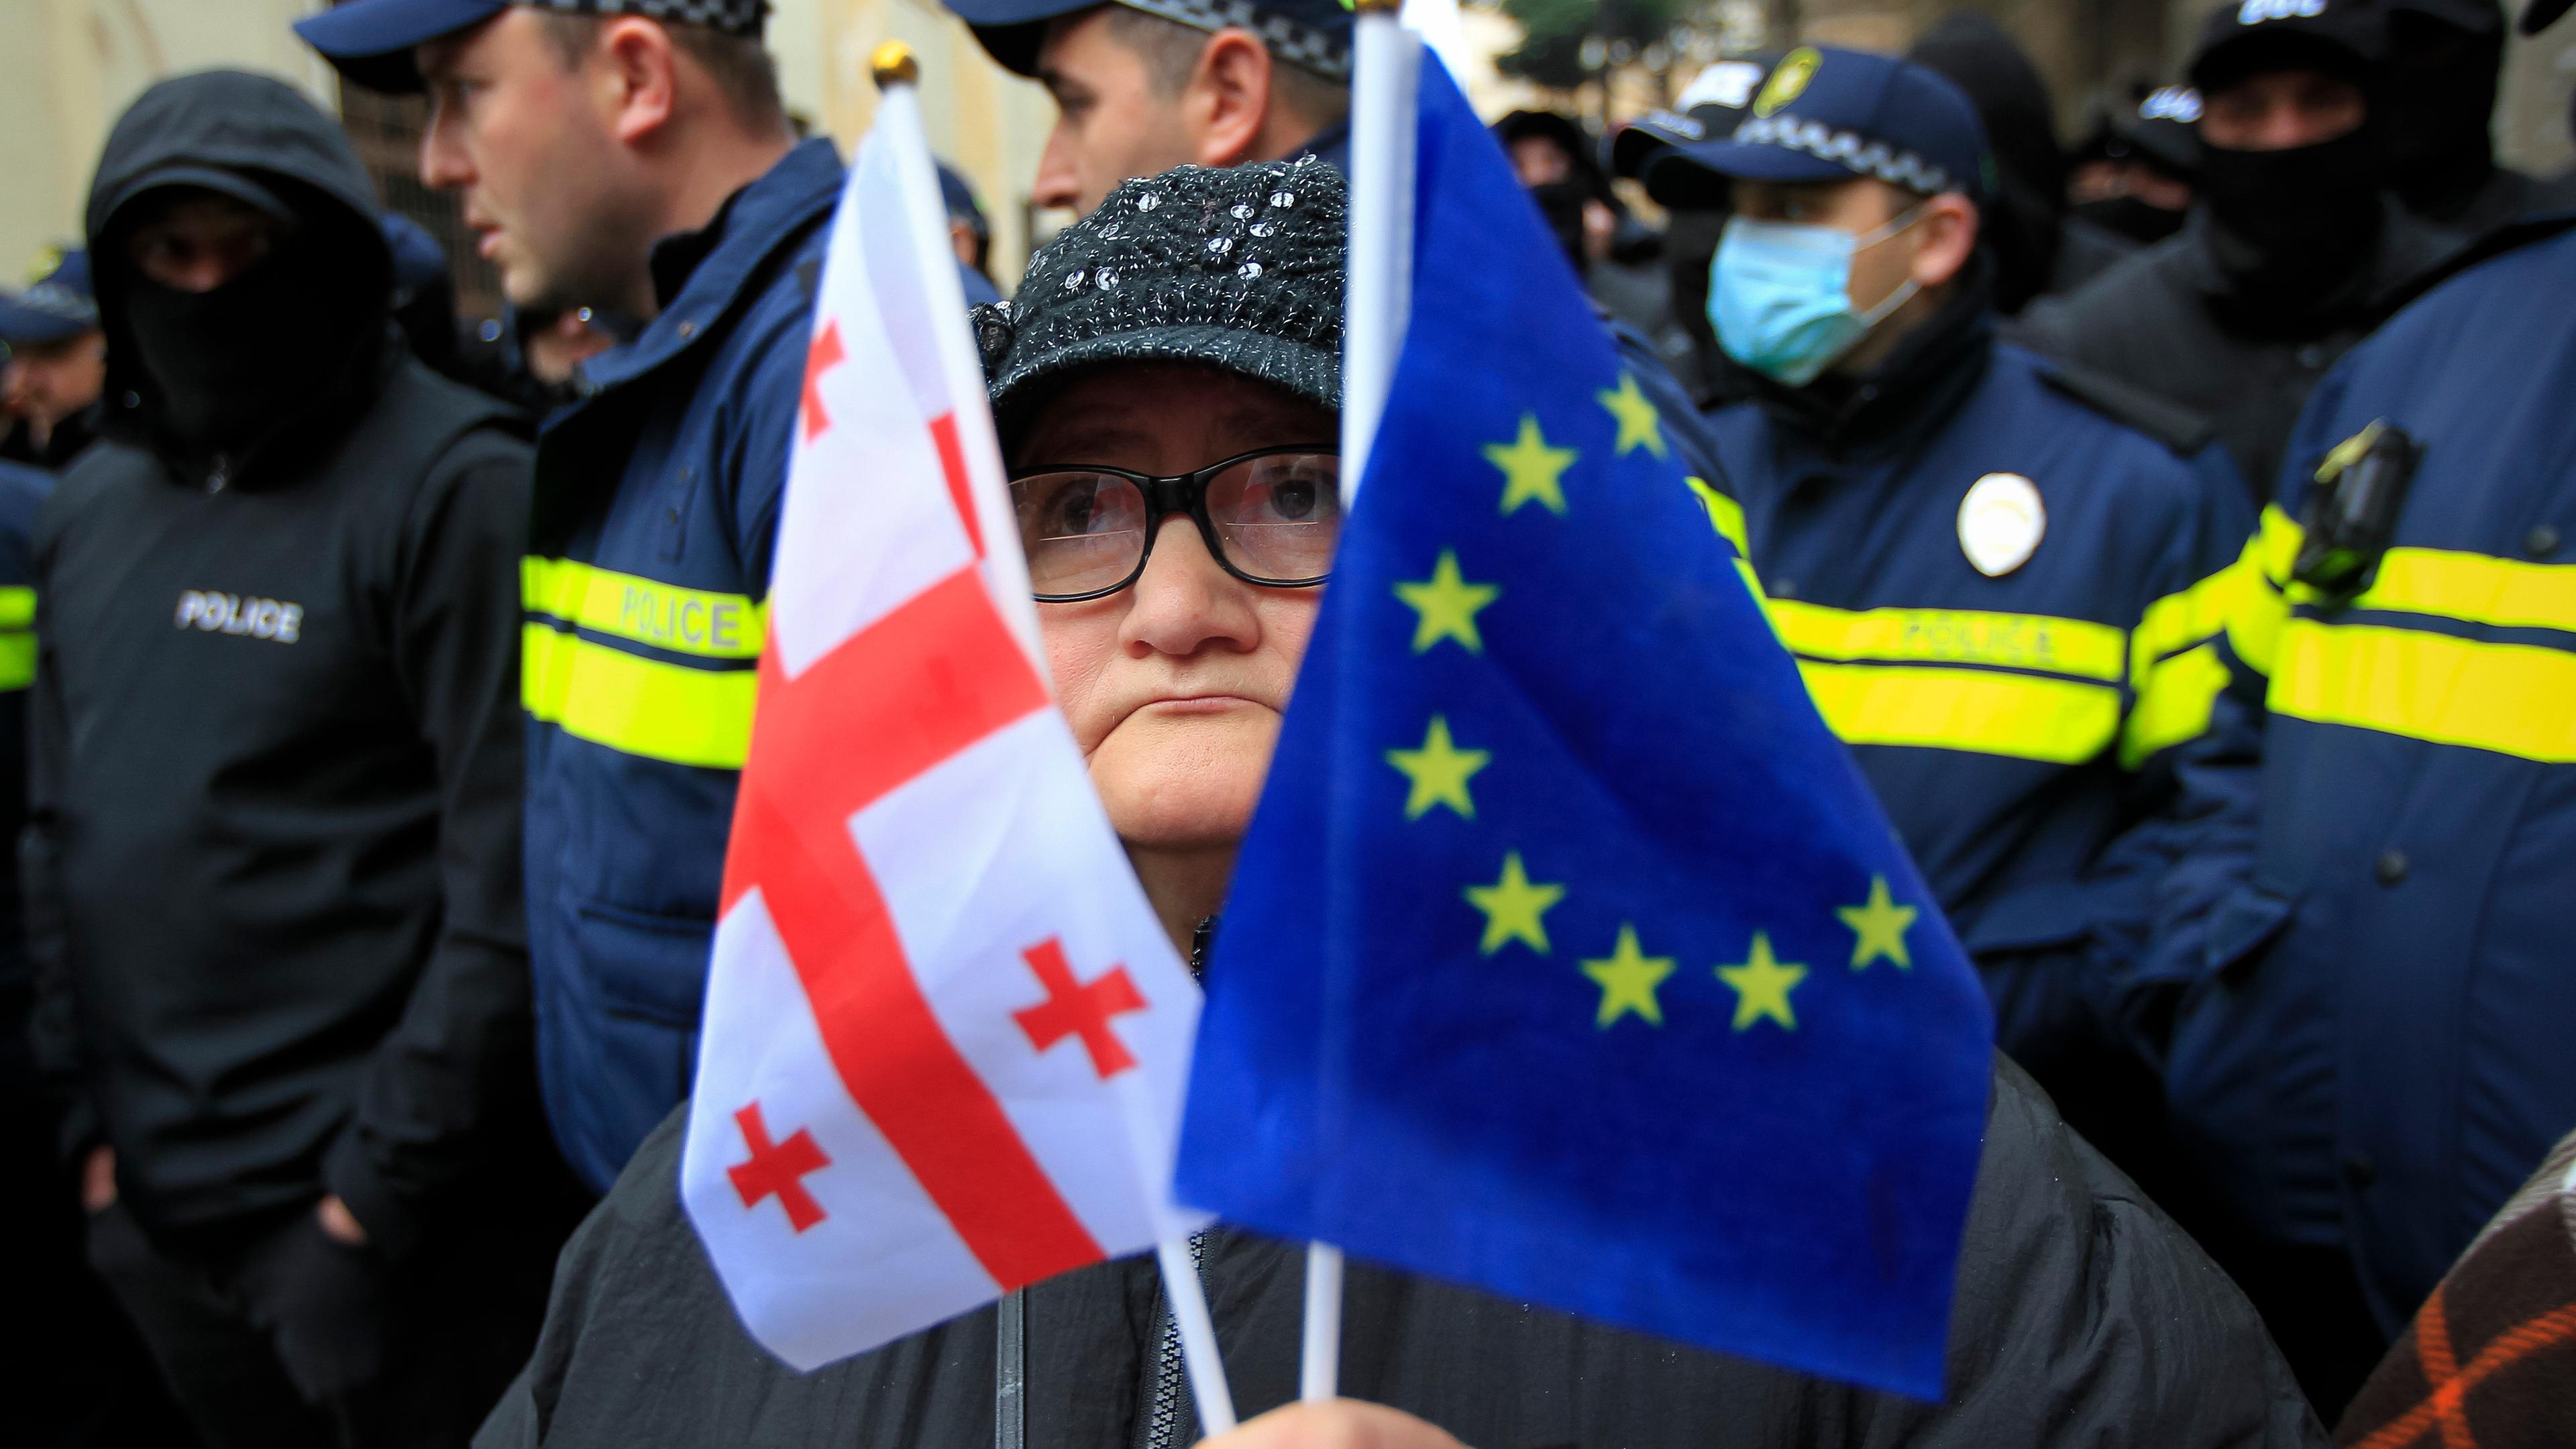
x,y
264,131
2022,217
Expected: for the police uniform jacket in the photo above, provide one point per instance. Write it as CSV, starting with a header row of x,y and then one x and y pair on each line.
x,y
2370,1049
657,502
2022,728
22,491
2166,322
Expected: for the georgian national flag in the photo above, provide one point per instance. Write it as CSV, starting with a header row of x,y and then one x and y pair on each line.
x,y
945,1037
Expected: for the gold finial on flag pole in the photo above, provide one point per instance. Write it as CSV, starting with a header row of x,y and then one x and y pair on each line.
x,y
892,65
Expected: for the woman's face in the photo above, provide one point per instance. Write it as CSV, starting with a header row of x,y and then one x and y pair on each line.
x,y
1175,685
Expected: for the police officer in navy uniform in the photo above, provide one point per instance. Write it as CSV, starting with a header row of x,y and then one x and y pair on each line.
x,y
2293,243
1142,86
2365,1025
682,197
53,360
1990,568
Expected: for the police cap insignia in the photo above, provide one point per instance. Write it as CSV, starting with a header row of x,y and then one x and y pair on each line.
x,y
1788,79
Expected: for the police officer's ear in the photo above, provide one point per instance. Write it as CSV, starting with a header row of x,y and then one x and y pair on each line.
x,y
1228,99
635,77
1945,238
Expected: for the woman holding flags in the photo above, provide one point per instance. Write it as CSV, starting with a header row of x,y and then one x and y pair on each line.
x,y
1168,391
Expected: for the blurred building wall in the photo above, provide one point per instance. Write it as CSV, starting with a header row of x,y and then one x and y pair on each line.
x,y
68,68
982,120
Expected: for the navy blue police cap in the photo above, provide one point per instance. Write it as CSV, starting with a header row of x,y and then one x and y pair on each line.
x,y
58,304
370,41
1829,114
1312,35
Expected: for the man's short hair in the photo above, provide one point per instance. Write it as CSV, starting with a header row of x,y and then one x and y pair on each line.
x,y
740,65
1170,51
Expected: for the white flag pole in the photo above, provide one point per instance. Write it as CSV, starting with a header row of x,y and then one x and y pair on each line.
x,y
1006,574
1385,69
898,126
1386,62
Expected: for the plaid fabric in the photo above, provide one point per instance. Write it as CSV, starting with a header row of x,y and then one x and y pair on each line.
x,y
733,17
1293,41
2490,1360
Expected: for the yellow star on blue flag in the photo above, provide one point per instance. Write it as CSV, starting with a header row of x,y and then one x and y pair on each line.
x,y
1532,471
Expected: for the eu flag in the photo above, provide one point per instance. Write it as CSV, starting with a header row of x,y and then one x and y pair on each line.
x,y
1568,955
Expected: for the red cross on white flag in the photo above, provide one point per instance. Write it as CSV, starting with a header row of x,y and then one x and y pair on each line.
x,y
945,1036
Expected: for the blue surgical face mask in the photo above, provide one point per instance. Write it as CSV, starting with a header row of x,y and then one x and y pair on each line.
x,y
1780,295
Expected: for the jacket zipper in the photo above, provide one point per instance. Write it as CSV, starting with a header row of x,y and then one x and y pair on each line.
x,y
1163,1409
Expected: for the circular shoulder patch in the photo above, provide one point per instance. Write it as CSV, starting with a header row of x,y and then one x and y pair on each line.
x,y
2000,523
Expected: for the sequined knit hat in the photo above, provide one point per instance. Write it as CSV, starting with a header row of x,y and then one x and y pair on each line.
x,y
1238,268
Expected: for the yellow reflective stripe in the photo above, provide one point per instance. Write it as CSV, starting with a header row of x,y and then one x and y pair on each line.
x,y
2259,607
648,611
2515,699
2175,699
1724,514
2077,647
2474,587
1974,710
2276,544
1727,517
639,706
17,608
17,660
2178,621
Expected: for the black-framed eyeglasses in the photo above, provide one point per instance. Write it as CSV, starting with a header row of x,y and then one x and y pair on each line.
x,y
1269,517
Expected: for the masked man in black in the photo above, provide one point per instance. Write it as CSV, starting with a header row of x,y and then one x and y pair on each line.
x,y
2291,247
272,863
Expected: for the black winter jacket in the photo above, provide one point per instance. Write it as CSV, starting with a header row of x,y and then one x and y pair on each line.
x,y
273,861
2163,321
2084,1317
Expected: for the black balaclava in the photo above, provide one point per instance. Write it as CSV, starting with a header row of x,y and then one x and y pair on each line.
x,y
230,368
2294,229
2443,62
2022,217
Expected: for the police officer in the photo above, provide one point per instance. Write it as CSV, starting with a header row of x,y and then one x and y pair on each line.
x,y
1991,575
971,236
683,198
53,360
2369,1047
2292,244
1142,86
